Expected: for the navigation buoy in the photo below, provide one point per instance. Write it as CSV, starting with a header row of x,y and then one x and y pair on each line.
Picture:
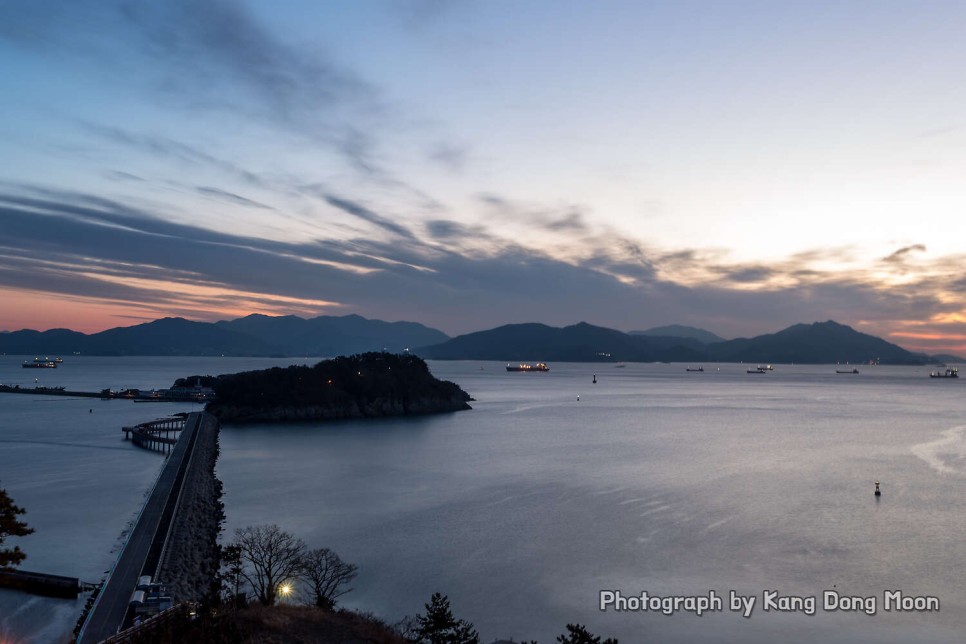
x,y
877,491
595,378
578,397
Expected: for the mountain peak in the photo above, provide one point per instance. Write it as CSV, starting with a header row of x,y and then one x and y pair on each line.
x,y
681,331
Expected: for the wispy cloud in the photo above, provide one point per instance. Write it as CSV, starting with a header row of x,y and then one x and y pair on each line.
x,y
451,156
217,193
217,41
901,254
158,146
363,213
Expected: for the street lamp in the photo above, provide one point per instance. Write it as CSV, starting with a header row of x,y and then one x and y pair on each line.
x,y
285,589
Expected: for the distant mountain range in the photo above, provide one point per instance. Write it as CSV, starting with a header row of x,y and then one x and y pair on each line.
x,y
681,331
326,336
578,343
254,335
818,343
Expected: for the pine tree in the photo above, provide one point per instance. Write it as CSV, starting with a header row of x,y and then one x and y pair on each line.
x,y
11,526
578,634
438,626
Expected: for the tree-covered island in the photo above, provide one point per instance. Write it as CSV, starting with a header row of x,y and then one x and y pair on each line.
x,y
359,386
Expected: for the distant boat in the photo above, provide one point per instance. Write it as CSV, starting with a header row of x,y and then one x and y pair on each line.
x,y
698,369
760,369
846,371
540,366
49,359
951,372
766,367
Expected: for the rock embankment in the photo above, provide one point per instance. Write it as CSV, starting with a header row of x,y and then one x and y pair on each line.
x,y
191,560
370,385
350,409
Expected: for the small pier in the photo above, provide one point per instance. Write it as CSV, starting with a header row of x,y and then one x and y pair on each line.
x,y
158,435
40,583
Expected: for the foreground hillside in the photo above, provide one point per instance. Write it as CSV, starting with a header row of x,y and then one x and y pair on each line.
x,y
277,625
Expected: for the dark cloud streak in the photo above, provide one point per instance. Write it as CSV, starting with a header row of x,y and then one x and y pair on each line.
x,y
217,193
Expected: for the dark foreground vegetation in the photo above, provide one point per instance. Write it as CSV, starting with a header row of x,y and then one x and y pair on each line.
x,y
299,624
11,526
359,386
274,588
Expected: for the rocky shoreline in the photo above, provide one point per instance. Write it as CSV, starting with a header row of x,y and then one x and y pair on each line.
x,y
191,560
354,409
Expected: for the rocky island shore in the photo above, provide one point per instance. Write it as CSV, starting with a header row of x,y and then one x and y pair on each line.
x,y
367,385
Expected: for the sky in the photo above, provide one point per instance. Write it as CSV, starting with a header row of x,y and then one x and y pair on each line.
x,y
733,165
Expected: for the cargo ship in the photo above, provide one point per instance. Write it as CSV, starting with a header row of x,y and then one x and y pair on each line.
x,y
35,364
540,366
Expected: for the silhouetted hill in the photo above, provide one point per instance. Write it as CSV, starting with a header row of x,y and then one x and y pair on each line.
x,y
332,336
254,335
947,358
819,343
368,385
681,331
51,343
577,343
174,337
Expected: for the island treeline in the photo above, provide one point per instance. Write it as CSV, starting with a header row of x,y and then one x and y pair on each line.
x,y
365,385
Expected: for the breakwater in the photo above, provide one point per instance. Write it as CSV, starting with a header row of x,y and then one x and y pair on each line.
x,y
161,541
189,564
103,395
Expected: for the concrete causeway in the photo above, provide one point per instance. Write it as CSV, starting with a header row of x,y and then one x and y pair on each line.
x,y
141,552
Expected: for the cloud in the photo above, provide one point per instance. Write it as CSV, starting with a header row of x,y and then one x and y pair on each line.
x,y
215,57
120,175
450,156
446,230
363,213
565,218
78,246
220,39
217,193
572,221
901,254
157,146
749,273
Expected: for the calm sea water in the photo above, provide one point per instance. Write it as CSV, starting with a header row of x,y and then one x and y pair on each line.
x,y
523,509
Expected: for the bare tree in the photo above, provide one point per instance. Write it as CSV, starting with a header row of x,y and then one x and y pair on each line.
x,y
327,575
271,557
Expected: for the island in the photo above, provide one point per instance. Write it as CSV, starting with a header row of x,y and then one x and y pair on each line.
x,y
367,385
